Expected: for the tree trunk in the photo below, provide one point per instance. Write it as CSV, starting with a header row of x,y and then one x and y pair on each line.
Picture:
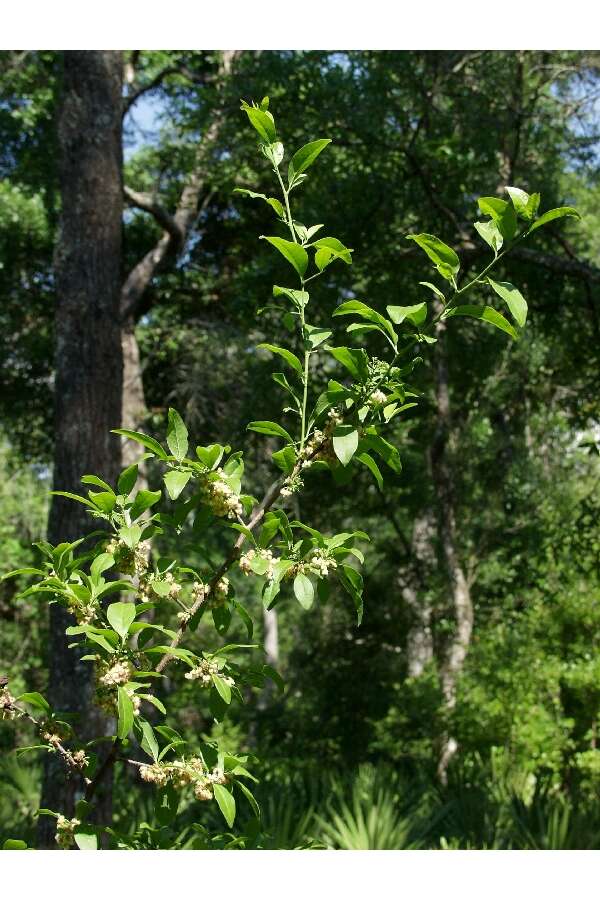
x,y
89,359
134,409
448,541
419,640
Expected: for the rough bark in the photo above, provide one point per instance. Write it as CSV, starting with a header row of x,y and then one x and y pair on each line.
x,y
460,594
88,355
419,639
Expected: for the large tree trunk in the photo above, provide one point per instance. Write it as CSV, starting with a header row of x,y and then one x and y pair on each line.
x,y
448,541
88,356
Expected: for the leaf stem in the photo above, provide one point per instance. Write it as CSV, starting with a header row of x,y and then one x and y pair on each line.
x,y
290,222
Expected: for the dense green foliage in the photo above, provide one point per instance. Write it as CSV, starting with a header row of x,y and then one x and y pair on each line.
x,y
413,135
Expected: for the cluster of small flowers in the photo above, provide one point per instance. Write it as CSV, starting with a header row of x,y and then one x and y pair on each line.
x,y
148,584
203,789
322,562
220,593
318,562
222,500
378,368
129,560
77,759
184,772
84,613
154,774
7,710
65,829
52,738
246,562
110,676
205,671
199,591
320,446
377,398
293,484
119,673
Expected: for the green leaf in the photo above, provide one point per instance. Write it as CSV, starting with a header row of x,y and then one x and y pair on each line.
x,y
345,443
352,582
521,202
86,838
177,435
485,313
329,249
143,501
270,428
93,479
356,307
101,641
294,253
33,698
14,844
249,797
149,743
120,616
273,152
127,480
445,259
490,233
223,688
355,361
372,466
304,591
76,497
130,535
290,358
417,313
502,213
558,213
263,122
299,298
226,803
275,677
142,439
175,482
167,803
245,617
273,202
384,449
113,586
305,157
222,618
513,298
433,288
210,456
314,335
27,571
125,713
102,562
150,698
103,500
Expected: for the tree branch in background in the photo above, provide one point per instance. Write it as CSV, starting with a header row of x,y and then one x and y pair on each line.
x,y
184,217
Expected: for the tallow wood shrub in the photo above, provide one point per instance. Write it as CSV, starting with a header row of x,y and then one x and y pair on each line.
x,y
339,430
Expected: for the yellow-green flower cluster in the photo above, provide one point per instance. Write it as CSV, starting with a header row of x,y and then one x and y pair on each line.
x,y
184,772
